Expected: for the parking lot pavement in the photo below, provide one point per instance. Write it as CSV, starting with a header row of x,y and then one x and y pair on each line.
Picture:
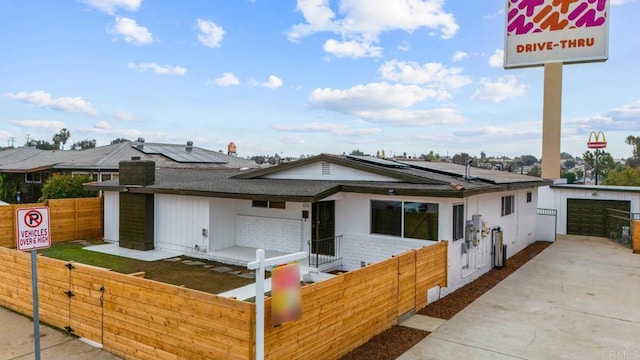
x,y
16,341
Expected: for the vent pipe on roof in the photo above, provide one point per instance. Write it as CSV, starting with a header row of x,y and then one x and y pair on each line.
x,y
467,171
189,146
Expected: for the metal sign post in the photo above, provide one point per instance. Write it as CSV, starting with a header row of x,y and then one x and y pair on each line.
x,y
260,265
32,230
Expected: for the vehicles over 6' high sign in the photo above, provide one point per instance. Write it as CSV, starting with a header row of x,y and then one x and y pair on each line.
x,y
32,228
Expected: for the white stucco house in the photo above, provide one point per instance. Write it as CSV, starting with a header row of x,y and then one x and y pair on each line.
x,y
345,211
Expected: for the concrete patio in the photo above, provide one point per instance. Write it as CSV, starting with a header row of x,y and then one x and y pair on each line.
x,y
578,299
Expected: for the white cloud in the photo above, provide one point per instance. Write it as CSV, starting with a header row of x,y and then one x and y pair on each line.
x,y
385,103
373,96
124,116
620,2
362,21
624,118
402,117
320,127
227,79
459,56
210,35
157,69
110,6
404,46
131,31
52,125
292,139
273,82
500,89
45,100
497,59
102,125
431,74
352,49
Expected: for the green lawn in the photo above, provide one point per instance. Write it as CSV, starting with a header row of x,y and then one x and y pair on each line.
x,y
191,276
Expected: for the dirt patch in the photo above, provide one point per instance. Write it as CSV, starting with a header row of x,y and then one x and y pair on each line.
x,y
395,341
453,303
388,345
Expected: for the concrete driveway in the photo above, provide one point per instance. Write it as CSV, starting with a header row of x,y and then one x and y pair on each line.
x,y
16,341
578,299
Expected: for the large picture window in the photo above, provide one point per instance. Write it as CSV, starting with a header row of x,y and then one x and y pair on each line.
x,y
414,220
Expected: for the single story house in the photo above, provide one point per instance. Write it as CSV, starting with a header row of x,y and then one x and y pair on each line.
x,y
345,211
28,168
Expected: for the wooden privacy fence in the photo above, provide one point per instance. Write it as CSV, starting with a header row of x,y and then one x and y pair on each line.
x,y
137,318
71,219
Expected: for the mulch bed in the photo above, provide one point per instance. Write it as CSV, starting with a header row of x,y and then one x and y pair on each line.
x,y
453,303
387,345
395,341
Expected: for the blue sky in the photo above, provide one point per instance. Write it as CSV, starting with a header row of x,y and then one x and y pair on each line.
x,y
300,77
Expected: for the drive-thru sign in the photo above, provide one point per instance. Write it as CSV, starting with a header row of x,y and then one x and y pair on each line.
x,y
32,225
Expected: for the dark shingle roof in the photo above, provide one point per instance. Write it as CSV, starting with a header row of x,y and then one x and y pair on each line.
x,y
254,184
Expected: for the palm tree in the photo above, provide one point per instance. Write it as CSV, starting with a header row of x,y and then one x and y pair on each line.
x,y
64,135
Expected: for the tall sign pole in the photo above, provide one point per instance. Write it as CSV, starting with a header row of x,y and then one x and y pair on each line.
x,y
32,231
551,33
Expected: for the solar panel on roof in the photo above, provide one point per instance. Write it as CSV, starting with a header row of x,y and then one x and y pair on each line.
x,y
376,161
494,176
179,154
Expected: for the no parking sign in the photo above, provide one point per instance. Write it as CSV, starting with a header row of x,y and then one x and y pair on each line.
x,y
32,228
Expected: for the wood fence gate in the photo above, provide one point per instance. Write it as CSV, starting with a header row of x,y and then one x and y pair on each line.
x,y
86,302
406,283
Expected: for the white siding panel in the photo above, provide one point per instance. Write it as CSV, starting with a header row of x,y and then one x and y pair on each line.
x,y
179,221
335,172
111,216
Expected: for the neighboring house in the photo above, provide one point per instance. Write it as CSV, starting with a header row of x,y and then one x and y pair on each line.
x,y
346,211
593,210
28,168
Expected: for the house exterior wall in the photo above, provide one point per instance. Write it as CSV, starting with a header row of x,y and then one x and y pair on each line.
x,y
556,198
179,221
332,172
359,245
271,229
111,216
518,231
222,220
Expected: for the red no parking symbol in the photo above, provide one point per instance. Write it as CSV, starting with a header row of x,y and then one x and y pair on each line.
x,y
33,218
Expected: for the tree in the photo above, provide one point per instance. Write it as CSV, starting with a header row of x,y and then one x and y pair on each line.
x,y
66,186
61,138
605,162
534,171
483,156
566,156
119,140
623,177
571,177
634,141
356,152
528,160
569,163
84,144
8,187
42,145
460,158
